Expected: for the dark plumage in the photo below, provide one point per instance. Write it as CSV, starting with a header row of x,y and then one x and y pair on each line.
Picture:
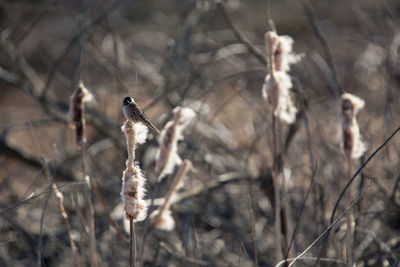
x,y
133,112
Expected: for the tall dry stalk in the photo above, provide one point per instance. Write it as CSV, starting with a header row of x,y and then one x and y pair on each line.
x,y
353,148
64,215
276,90
77,120
161,218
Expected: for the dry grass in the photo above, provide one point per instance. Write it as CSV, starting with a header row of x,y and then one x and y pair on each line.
x,y
210,58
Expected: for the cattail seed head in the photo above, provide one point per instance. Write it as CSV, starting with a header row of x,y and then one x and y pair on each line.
x,y
277,84
76,113
276,90
167,156
353,146
133,193
133,181
135,133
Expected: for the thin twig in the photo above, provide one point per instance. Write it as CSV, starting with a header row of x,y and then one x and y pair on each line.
x,y
333,222
325,46
239,35
327,230
355,176
301,211
39,250
253,229
71,44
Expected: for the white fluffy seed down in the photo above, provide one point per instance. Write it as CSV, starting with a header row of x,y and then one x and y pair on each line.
x,y
276,90
167,156
165,222
133,181
133,193
277,84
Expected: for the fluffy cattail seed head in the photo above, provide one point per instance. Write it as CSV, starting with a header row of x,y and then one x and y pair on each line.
x,y
167,156
133,193
353,146
277,84
133,181
276,90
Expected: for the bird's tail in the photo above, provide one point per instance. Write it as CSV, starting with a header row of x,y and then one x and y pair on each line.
x,y
154,128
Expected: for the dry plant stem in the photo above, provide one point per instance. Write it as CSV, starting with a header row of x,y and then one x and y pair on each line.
x,y
51,179
360,204
277,206
96,191
157,254
92,234
285,208
329,228
332,220
350,223
70,45
325,46
186,165
184,168
39,251
253,230
300,213
131,247
145,236
64,215
336,261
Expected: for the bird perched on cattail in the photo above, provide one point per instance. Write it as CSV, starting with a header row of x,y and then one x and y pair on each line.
x,y
134,113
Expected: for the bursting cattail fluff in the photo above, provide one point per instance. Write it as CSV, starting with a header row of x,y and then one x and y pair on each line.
x,y
353,146
277,84
276,90
133,181
167,156
76,113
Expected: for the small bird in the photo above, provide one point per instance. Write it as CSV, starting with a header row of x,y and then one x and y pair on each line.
x,y
133,112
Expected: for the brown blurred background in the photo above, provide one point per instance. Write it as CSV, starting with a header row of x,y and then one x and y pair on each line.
x,y
208,57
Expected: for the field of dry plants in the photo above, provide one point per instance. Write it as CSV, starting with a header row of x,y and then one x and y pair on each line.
x,y
278,141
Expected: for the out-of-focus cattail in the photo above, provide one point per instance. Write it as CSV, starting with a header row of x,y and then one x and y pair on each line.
x,y
281,48
276,90
64,215
161,218
352,144
277,84
167,156
133,181
76,113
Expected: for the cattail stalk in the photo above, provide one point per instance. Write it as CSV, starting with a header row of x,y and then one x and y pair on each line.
x,y
133,181
161,217
353,148
77,120
277,84
64,215
276,90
